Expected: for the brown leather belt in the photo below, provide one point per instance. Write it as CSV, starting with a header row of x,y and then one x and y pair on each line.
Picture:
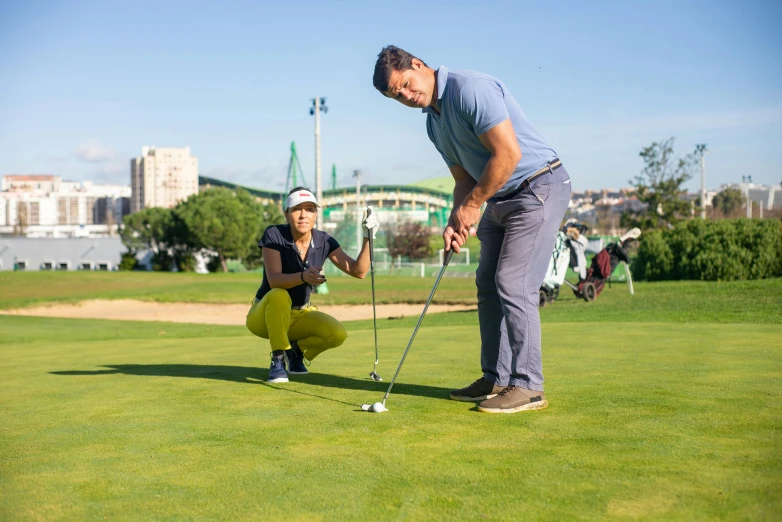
x,y
551,167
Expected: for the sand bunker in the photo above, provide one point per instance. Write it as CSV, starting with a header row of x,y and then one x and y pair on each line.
x,y
232,314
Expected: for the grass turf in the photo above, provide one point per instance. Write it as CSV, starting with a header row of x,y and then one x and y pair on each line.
x,y
680,301
652,419
20,289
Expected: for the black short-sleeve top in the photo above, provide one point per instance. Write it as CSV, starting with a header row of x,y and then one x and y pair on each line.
x,y
279,238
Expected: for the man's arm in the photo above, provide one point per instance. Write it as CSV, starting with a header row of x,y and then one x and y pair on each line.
x,y
464,184
501,141
505,155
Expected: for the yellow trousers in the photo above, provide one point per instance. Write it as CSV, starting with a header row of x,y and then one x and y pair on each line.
x,y
272,318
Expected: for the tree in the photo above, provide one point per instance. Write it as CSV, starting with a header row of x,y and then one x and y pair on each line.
x,y
410,240
128,261
147,229
223,221
270,215
728,201
659,185
163,232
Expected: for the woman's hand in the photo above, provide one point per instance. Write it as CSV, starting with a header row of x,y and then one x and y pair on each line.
x,y
370,224
313,276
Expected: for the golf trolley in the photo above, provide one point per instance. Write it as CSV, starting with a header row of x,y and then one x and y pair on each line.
x,y
569,252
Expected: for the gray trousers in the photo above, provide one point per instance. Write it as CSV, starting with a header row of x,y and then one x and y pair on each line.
x,y
517,240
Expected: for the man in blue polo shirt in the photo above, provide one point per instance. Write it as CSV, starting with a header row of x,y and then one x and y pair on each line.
x,y
495,157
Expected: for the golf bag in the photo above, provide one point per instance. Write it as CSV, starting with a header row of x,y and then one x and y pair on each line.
x,y
558,264
578,245
603,265
568,252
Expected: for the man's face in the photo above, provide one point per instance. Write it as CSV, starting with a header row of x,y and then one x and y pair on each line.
x,y
412,87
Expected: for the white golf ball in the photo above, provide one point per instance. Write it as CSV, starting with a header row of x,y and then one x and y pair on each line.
x,y
378,407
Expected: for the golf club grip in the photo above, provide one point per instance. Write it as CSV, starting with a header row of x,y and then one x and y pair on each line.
x,y
369,237
448,256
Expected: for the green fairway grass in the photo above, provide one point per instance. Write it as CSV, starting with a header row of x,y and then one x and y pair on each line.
x,y
20,289
652,419
677,301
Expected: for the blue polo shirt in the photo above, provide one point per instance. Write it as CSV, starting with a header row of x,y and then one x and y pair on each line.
x,y
471,103
279,238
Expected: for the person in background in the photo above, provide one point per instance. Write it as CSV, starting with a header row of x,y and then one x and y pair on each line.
x,y
293,259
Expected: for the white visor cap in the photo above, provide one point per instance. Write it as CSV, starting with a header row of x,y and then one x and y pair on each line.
x,y
299,197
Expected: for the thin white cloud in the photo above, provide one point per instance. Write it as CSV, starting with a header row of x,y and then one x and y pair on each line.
x,y
112,172
93,151
405,166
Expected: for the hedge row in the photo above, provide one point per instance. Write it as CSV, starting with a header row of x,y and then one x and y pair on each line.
x,y
725,250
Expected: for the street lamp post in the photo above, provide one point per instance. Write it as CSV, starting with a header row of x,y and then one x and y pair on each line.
x,y
702,150
318,105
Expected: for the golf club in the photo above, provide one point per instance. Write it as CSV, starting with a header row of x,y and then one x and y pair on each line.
x,y
374,376
633,233
379,407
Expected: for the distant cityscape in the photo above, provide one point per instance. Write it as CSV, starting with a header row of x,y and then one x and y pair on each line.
x,y
45,206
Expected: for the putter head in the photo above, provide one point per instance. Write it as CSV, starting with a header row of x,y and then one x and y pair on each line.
x,y
375,377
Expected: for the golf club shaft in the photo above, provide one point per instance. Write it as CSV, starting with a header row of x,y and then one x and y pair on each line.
x,y
420,319
372,276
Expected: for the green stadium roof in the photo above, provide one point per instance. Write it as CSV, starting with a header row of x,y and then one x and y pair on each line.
x,y
429,186
443,184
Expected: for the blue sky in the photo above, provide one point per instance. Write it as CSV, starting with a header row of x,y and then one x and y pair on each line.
x,y
84,85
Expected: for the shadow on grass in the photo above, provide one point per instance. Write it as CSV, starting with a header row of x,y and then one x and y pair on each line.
x,y
250,375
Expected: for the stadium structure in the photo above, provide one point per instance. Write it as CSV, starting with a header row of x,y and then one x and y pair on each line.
x,y
427,202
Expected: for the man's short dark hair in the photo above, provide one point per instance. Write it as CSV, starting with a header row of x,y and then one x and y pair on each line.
x,y
391,59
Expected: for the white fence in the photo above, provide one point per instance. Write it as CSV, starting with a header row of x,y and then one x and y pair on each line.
x,y
384,264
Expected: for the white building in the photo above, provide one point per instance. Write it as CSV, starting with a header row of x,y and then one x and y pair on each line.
x,y
162,177
46,206
768,197
31,183
20,253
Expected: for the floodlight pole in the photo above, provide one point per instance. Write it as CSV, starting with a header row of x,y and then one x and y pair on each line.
x,y
318,105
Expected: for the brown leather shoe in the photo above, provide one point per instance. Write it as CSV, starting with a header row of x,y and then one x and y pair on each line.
x,y
513,400
478,391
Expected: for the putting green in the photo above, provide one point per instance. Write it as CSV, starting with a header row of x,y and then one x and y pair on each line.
x,y
130,420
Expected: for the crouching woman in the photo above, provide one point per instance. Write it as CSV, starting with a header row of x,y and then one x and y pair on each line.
x,y
293,259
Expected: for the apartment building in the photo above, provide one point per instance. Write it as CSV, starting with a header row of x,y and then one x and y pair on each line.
x,y
46,206
162,177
